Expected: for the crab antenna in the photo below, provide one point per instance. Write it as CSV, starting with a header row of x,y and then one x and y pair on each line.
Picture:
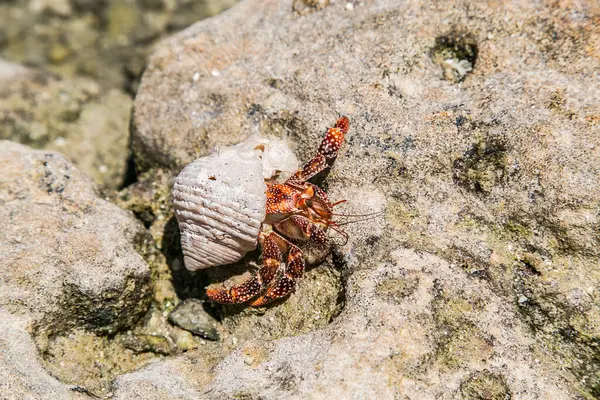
x,y
335,227
359,215
357,220
338,202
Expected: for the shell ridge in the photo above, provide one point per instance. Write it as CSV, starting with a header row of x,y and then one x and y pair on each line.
x,y
207,255
220,200
245,224
231,208
202,229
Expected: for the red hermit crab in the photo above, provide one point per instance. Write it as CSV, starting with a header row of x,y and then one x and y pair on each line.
x,y
227,203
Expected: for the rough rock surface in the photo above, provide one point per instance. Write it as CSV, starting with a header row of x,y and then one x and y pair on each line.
x,y
107,40
69,260
21,373
475,125
419,344
72,115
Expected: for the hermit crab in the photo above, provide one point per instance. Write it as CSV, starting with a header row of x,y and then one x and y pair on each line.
x,y
229,202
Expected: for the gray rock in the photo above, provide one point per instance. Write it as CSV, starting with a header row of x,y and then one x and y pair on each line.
x,y
71,115
9,70
21,372
191,316
69,257
147,343
487,165
423,347
170,379
69,262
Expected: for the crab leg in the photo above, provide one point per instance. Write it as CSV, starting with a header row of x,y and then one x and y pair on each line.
x,y
303,229
327,153
299,228
258,283
285,282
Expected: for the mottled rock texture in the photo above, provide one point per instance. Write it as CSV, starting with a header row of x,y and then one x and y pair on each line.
x,y
69,261
476,127
96,52
21,372
107,40
72,115
70,257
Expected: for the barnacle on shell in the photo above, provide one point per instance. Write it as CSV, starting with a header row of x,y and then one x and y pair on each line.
x,y
220,199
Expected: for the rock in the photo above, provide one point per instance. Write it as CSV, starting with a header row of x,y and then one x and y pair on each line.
x,y
10,70
191,316
71,115
90,361
21,372
385,349
147,343
69,262
473,125
96,51
377,348
70,257
171,379
308,6
106,40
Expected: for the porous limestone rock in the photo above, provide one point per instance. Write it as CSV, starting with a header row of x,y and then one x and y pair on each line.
x,y
74,116
70,262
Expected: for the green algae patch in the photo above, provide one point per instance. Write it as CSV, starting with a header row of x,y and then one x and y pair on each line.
x,y
483,166
90,361
485,385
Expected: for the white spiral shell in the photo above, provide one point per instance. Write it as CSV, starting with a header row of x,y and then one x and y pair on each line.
x,y
220,200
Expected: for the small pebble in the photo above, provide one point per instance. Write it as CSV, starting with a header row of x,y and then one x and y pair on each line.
x,y
191,316
523,300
